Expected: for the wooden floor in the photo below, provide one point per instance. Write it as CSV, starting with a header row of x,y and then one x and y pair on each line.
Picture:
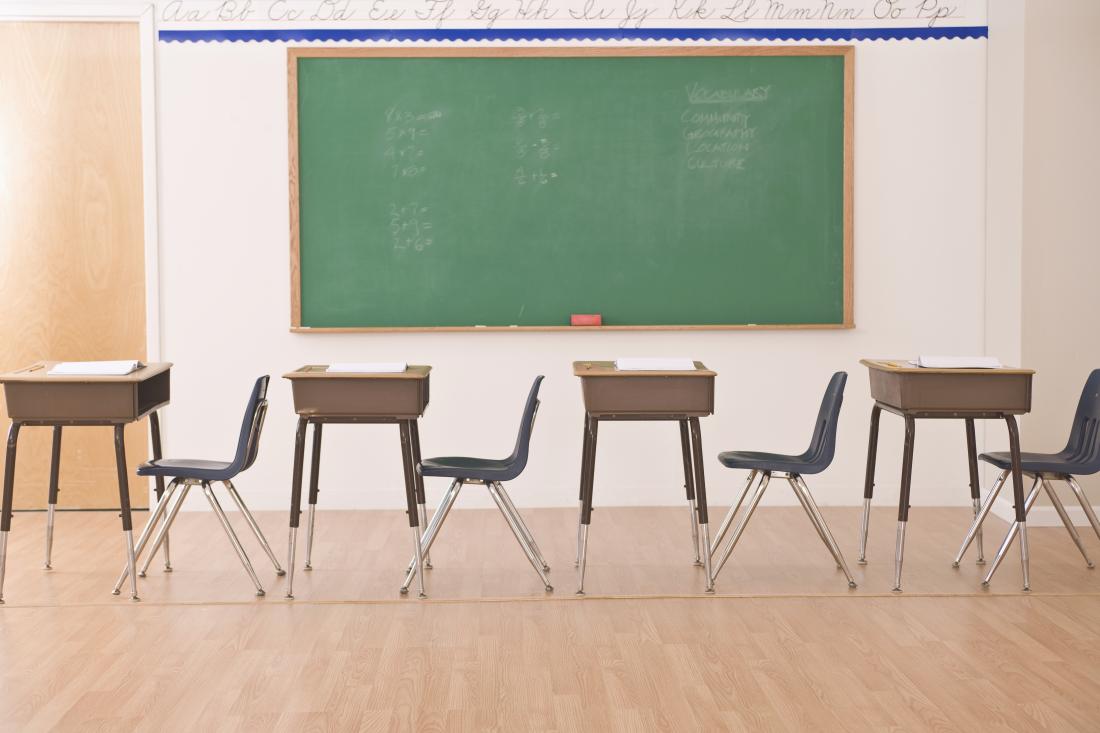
x,y
784,644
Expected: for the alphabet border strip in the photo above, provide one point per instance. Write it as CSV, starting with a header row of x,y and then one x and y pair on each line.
x,y
298,35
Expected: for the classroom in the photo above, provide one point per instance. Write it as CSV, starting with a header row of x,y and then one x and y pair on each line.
x,y
556,365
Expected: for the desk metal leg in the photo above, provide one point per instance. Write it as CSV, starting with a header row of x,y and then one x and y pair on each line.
x,y
903,499
1018,499
701,498
124,502
585,445
411,506
55,469
418,484
689,487
587,479
9,491
314,475
154,431
975,483
869,482
295,501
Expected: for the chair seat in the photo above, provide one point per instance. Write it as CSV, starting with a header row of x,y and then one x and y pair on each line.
x,y
1038,463
483,469
188,468
758,461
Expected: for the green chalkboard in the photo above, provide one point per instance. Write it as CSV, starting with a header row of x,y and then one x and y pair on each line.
x,y
499,188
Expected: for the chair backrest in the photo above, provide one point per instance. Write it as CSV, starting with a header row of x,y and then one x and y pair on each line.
x,y
248,444
1083,447
518,459
823,442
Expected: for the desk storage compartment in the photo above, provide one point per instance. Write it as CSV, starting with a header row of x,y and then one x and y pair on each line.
x,y
650,395
75,401
359,397
939,392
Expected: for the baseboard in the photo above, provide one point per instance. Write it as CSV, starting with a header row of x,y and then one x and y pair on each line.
x,y
1040,515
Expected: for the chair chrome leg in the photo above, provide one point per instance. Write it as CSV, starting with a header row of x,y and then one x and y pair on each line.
x,y
1013,530
899,556
819,522
979,518
309,537
432,531
728,519
863,527
813,520
131,561
243,509
147,531
422,510
512,525
1085,506
708,568
419,561
291,547
1066,521
217,507
753,503
167,554
523,526
695,530
49,535
162,533
582,556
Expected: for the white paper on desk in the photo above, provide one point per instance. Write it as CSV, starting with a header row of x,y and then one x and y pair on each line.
x,y
368,367
958,362
95,368
649,364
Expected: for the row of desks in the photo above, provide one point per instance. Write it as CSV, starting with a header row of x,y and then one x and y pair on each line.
x,y
320,397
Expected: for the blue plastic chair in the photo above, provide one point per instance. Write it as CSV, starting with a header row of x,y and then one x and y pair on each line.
x,y
186,473
1080,457
814,459
491,473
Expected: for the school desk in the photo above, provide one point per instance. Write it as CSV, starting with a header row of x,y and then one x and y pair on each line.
x,y
35,398
682,396
357,398
914,393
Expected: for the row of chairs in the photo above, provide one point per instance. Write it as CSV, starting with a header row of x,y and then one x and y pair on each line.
x,y
1081,456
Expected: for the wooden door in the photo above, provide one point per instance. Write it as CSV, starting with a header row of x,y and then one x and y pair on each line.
x,y
72,264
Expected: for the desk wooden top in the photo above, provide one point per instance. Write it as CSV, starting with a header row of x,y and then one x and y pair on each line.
x,y
607,369
903,366
318,371
39,373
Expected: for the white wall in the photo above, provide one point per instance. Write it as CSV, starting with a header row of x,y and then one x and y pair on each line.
x,y
920,268
1061,255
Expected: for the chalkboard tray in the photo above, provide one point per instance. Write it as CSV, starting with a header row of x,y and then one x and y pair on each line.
x,y
508,188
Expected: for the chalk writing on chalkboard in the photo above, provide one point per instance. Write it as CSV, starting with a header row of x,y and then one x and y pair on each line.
x,y
717,128
535,146
410,226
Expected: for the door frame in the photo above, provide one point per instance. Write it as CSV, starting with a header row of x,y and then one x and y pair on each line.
x,y
144,14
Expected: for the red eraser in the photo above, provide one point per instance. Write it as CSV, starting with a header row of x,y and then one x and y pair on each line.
x,y
586,319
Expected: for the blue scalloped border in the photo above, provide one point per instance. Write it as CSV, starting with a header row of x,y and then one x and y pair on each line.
x,y
230,35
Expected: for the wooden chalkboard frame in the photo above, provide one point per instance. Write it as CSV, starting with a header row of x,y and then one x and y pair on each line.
x,y
293,54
